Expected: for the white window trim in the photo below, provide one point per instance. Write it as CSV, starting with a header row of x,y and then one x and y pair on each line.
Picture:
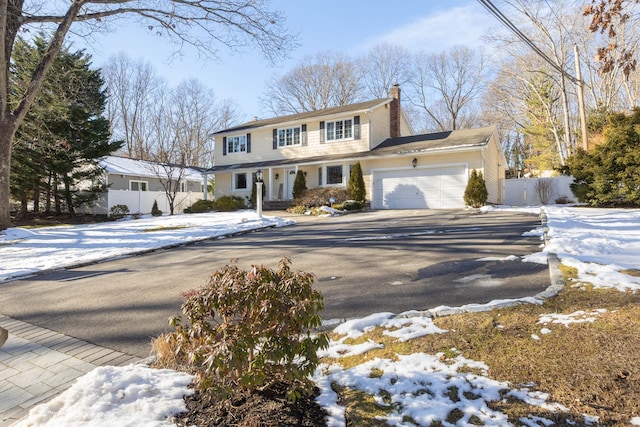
x,y
325,176
146,184
234,182
229,143
283,143
326,130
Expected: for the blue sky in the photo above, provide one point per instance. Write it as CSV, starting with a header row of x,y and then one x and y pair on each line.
x,y
351,27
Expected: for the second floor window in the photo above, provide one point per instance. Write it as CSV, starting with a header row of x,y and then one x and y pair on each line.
x,y
289,136
237,144
340,129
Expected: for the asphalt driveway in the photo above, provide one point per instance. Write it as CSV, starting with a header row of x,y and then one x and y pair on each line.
x,y
365,263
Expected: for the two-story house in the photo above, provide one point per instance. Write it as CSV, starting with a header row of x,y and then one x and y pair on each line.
x,y
400,170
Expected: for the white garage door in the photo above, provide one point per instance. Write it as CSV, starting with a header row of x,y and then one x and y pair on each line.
x,y
429,188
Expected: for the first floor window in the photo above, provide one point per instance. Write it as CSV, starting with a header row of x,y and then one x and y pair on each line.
x,y
340,129
138,185
240,181
237,144
334,175
288,137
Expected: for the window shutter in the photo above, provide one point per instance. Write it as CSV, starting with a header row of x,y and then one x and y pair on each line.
x,y
303,137
321,132
320,176
248,143
275,139
224,145
356,127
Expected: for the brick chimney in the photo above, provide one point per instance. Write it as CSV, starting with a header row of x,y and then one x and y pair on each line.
x,y
394,111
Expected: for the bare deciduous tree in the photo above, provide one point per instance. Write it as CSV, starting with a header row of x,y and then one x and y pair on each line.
x,y
326,80
131,86
384,66
205,25
446,85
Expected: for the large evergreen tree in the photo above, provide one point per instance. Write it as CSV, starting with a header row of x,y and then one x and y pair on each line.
x,y
610,173
64,134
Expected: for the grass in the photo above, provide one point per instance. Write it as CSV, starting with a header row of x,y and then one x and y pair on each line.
x,y
590,368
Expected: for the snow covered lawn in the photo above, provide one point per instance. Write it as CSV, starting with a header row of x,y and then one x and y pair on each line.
x,y
419,388
25,251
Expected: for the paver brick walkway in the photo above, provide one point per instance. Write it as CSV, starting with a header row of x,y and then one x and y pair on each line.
x,y
37,363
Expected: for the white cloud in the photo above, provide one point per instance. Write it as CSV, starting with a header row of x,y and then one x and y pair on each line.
x,y
441,30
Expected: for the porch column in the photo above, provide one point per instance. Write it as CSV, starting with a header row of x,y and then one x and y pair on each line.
x,y
270,194
205,176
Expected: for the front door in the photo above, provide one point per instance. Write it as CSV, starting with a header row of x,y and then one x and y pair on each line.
x,y
290,175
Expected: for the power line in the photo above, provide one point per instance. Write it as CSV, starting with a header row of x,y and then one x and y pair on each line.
x,y
511,26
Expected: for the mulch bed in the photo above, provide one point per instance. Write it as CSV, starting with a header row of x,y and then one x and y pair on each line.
x,y
268,408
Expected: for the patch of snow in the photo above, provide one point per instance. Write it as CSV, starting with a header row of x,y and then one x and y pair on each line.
x,y
133,395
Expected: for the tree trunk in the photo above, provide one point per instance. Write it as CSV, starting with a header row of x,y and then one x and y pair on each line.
x,y
6,137
67,194
47,207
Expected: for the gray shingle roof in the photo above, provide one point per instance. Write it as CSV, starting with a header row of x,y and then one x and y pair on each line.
x,y
436,141
361,106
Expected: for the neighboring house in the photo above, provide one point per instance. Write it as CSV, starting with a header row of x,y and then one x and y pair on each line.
x,y
138,183
400,170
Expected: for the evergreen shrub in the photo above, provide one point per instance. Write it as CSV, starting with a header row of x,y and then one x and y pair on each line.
x,y
118,211
476,194
251,329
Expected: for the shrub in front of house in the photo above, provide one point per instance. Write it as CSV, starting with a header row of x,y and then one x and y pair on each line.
x,y
200,206
154,209
299,185
250,329
229,203
355,187
118,211
315,197
476,194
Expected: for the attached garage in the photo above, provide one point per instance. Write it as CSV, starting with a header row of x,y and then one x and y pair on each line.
x,y
438,187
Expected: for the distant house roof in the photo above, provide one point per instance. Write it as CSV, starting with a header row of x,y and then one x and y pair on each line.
x,y
142,168
425,143
351,108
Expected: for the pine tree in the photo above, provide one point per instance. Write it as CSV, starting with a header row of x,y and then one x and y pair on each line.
x,y
355,188
299,185
155,211
476,194
66,126
610,173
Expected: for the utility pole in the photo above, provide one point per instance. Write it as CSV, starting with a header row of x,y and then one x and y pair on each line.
x,y
583,115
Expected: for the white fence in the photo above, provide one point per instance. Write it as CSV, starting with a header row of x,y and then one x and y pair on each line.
x,y
141,201
530,191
